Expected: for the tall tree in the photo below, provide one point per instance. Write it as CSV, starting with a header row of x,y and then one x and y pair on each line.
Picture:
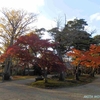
x,y
89,58
76,35
30,49
57,35
13,24
72,35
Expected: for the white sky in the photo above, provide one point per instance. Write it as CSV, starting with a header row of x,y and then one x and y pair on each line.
x,y
49,9
30,6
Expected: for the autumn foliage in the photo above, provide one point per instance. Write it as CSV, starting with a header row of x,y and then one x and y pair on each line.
x,y
88,58
30,49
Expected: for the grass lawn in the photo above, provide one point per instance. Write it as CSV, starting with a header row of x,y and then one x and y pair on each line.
x,y
69,82
17,77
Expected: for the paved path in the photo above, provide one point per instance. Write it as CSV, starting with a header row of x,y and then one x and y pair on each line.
x,y
17,90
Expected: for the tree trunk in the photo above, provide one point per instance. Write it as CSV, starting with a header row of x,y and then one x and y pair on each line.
x,y
59,54
7,68
8,63
92,72
77,73
98,70
45,76
62,76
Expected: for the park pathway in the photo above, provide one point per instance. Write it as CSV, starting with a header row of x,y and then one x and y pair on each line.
x,y
17,90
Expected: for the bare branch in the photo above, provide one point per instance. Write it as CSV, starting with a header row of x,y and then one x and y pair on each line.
x,y
15,23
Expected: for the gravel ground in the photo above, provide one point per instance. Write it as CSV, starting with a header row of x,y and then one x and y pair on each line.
x,y
17,90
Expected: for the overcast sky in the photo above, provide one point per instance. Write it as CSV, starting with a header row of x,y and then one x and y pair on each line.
x,y
48,10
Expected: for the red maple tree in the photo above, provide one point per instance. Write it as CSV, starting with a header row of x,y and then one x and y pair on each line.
x,y
88,58
30,49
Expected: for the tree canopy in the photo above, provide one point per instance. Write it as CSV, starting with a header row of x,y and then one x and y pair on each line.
x,y
13,24
89,58
73,35
97,39
76,35
30,49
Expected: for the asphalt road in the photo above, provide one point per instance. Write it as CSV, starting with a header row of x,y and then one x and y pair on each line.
x,y
17,90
